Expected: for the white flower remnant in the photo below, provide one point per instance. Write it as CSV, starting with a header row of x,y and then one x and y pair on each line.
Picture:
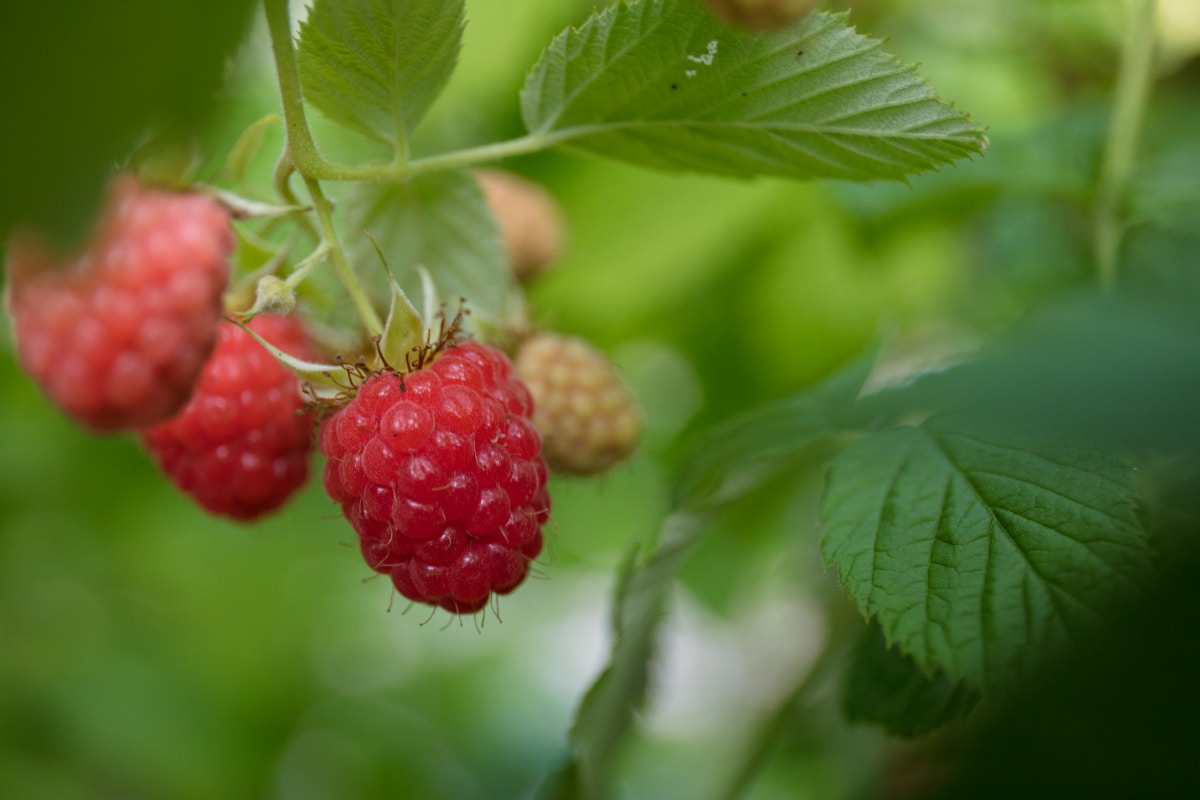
x,y
707,58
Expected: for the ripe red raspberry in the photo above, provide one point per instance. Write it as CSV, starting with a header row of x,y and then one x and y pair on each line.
x,y
588,418
240,446
117,337
440,473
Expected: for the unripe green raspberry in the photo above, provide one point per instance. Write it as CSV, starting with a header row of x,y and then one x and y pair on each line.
x,y
530,222
586,415
760,15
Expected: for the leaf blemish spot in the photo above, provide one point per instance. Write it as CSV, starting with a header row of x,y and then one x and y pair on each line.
x,y
707,58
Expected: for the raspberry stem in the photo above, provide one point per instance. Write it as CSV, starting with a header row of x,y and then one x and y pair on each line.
x,y
337,257
299,138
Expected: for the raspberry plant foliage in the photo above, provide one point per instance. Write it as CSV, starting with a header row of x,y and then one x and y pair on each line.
x,y
976,552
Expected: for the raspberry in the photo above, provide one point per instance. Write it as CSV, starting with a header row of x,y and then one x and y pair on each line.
x,y
585,413
530,222
760,15
440,472
240,446
117,337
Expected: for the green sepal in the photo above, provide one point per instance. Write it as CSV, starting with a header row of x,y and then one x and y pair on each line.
x,y
327,381
403,333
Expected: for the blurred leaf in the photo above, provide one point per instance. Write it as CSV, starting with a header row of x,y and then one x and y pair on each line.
x,y
739,455
1121,371
662,83
246,148
376,66
732,461
1114,721
1055,160
981,552
83,81
1167,190
439,221
885,686
606,711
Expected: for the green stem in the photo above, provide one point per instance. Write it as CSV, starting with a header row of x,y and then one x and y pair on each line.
x,y
283,187
306,265
337,257
480,155
300,142
403,170
1134,80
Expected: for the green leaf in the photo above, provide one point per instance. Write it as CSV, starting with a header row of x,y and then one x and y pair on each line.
x,y
735,459
1166,191
885,686
663,84
1119,369
439,221
376,66
980,552
83,82
607,710
739,455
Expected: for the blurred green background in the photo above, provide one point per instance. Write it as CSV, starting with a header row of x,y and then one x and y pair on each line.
x,y
150,651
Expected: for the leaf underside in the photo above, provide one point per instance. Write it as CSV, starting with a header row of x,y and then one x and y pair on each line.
x,y
376,66
980,553
739,455
439,221
663,84
886,687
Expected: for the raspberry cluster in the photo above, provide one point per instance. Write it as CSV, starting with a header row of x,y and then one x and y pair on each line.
x,y
117,336
240,446
439,470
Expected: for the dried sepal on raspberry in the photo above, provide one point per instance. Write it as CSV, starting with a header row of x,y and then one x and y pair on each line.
x,y
241,445
117,334
586,414
530,221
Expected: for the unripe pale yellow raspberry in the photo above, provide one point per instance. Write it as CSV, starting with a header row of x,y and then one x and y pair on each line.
x,y
588,418
530,221
760,15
